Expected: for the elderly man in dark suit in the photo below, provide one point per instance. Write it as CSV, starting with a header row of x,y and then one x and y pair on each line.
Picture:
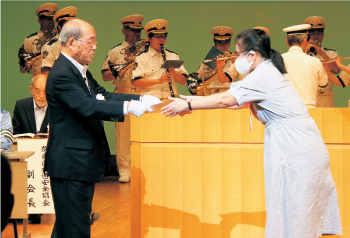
x,y
76,147
30,114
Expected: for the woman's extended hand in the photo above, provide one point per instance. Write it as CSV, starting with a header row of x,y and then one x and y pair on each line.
x,y
176,107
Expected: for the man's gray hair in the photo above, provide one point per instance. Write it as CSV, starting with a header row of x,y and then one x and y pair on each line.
x,y
296,39
36,77
71,29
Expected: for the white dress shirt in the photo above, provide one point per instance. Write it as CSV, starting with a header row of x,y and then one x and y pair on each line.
x,y
148,65
39,116
82,69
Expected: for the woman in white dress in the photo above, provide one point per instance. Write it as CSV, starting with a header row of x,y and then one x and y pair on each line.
x,y
301,198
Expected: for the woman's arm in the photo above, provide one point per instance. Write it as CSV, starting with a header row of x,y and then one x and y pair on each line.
x,y
220,100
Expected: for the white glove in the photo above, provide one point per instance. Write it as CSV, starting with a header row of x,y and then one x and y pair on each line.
x,y
138,108
99,96
150,100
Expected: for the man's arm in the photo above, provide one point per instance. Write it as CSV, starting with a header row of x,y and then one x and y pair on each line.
x,y
331,76
71,94
332,66
113,57
111,96
107,76
180,78
226,73
143,82
6,131
345,75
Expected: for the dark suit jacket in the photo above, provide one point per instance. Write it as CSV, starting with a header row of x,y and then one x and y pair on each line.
x,y
23,120
76,147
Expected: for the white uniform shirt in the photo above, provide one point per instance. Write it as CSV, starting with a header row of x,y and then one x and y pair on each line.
x,y
39,116
148,66
305,73
50,53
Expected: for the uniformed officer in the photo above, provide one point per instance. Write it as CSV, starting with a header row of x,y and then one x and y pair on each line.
x,y
34,42
148,75
318,25
52,49
220,80
304,72
132,26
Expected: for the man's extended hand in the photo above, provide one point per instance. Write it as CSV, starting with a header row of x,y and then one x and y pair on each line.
x,y
138,108
150,100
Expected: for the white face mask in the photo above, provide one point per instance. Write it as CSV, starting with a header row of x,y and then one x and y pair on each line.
x,y
242,65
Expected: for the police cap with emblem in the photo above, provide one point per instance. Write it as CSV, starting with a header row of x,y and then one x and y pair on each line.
x,y
158,26
263,29
222,33
297,29
133,22
67,13
316,22
47,9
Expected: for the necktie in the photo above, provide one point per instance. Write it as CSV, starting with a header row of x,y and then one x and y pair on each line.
x,y
87,84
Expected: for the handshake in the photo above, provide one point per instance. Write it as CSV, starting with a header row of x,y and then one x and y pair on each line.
x,y
138,108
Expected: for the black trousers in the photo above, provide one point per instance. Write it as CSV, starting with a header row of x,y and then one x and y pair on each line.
x,y
72,201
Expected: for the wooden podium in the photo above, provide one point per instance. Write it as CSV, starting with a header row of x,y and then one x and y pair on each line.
x,y
19,187
202,175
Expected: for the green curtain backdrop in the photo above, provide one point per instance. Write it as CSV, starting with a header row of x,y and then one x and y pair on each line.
x,y
190,23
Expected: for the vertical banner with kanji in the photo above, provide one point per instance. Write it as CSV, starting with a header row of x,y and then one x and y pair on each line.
x,y
39,199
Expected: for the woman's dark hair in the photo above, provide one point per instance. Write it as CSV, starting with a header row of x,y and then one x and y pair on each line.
x,y
258,40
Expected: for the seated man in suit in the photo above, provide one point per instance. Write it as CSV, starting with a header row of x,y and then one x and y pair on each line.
x,y
30,114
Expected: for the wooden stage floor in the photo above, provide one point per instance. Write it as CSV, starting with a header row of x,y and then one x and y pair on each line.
x,y
111,202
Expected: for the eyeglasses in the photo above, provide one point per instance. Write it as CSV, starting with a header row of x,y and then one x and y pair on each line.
x,y
39,93
238,53
87,42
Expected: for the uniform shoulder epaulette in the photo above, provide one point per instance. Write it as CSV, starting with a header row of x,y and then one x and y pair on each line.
x,y
52,41
32,35
329,49
115,46
171,51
